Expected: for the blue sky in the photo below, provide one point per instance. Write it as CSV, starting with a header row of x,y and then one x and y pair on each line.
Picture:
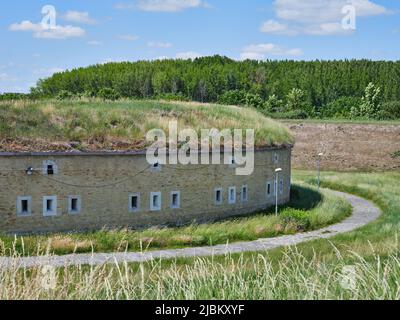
x,y
87,32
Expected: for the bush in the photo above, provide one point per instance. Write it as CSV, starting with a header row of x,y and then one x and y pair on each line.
x,y
293,115
64,95
254,100
233,97
390,111
273,104
370,106
341,108
108,94
172,97
299,216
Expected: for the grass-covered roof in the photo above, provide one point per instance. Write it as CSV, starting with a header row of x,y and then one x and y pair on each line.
x,y
27,126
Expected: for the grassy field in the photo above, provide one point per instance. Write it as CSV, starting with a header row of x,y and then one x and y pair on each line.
x,y
53,125
315,270
308,210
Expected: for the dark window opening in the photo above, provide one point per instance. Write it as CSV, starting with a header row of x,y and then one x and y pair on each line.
x,y
134,202
269,189
244,193
175,200
50,169
74,204
155,201
218,196
49,205
24,206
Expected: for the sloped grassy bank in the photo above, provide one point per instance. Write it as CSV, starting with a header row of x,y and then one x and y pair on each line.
x,y
122,125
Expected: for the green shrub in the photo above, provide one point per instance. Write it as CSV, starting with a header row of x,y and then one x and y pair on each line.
x,y
172,97
273,104
341,108
370,106
254,100
64,95
233,97
108,94
390,111
293,115
299,216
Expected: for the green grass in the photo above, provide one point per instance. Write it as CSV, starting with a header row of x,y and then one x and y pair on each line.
x,y
122,124
396,154
308,210
313,270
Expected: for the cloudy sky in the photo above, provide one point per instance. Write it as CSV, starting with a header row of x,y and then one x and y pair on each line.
x,y
35,42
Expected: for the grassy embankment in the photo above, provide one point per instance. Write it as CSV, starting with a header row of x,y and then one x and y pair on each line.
x,y
310,271
308,210
122,125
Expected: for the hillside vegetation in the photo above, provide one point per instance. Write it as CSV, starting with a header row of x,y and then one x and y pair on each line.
x,y
290,89
97,125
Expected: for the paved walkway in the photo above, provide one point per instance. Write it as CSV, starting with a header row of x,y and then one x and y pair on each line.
x,y
364,212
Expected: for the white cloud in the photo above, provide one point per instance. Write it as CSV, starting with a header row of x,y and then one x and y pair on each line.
x,y
42,32
128,37
47,72
188,55
7,78
275,27
79,17
322,17
264,50
94,43
322,11
164,45
162,5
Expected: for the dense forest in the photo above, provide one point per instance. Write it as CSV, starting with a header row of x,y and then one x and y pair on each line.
x,y
295,88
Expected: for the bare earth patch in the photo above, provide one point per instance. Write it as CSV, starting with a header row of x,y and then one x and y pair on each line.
x,y
346,147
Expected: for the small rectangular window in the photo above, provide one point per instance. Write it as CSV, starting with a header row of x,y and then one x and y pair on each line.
x,y
175,200
50,170
218,196
155,201
269,189
244,195
281,186
24,206
74,204
134,202
232,195
49,206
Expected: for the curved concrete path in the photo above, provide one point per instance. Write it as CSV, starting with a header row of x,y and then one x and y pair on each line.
x,y
364,212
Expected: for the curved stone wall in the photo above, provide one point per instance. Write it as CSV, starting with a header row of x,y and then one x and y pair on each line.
x,y
93,191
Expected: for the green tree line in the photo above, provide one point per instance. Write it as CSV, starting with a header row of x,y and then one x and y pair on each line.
x,y
309,87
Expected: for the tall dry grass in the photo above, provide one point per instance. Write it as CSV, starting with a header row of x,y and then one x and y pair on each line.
x,y
256,277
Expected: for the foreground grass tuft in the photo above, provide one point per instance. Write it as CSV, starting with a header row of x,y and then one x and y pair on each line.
x,y
293,277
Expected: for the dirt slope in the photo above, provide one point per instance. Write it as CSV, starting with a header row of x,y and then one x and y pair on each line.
x,y
346,146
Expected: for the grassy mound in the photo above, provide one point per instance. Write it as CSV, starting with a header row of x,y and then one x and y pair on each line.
x,y
122,125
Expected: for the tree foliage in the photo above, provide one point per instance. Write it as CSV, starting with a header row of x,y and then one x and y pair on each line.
x,y
306,86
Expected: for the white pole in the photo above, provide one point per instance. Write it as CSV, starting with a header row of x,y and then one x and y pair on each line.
x,y
319,170
276,194
277,189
